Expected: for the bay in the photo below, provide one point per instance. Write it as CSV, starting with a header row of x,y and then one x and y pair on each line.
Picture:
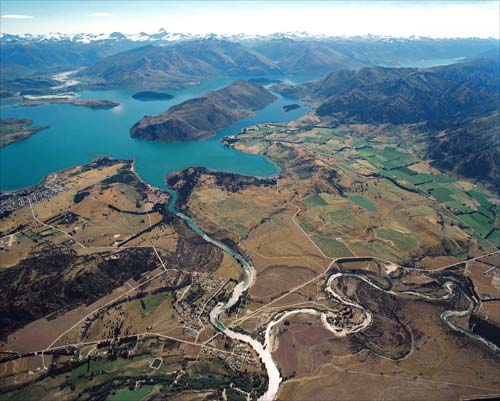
x,y
78,135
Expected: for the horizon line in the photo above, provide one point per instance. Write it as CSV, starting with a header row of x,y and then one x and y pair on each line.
x,y
254,35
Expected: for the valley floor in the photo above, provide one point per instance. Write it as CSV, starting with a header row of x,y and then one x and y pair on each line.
x,y
106,294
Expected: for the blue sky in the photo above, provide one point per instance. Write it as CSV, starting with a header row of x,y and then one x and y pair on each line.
x,y
391,18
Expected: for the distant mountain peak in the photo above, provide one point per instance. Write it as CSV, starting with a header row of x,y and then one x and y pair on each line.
x,y
162,35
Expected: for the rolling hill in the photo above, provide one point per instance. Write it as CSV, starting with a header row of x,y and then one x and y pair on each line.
x,y
458,105
404,95
470,148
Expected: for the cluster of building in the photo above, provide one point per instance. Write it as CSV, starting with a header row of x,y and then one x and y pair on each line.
x,y
16,200
235,360
194,302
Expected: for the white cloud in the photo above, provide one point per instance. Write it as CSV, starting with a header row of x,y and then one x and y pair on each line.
x,y
98,15
16,16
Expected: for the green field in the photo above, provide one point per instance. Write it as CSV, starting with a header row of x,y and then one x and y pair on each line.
x,y
419,179
488,212
406,171
263,130
331,247
360,143
363,202
444,179
494,237
388,158
481,197
339,216
477,222
125,394
403,241
428,187
443,194
319,140
8,129
330,132
459,206
446,189
98,367
305,227
414,178
398,163
315,200
152,301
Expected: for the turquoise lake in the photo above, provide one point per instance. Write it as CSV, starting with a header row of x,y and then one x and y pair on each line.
x,y
78,135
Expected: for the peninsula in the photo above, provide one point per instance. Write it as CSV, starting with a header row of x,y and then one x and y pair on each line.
x,y
199,118
96,104
16,129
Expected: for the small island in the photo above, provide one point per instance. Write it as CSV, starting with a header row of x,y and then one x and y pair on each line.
x,y
152,95
290,107
200,118
13,130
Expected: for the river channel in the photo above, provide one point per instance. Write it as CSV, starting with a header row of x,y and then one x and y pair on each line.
x,y
264,351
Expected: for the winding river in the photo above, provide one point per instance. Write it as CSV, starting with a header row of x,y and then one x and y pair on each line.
x,y
264,351
248,279
449,286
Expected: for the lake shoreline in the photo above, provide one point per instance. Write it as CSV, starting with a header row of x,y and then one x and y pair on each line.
x,y
79,135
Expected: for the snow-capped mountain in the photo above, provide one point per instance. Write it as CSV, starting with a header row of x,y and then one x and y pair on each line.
x,y
288,52
161,36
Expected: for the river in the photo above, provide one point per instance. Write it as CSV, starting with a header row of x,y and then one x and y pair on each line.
x,y
451,288
264,351
77,135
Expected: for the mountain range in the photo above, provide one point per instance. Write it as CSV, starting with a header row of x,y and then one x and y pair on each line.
x,y
470,147
360,86
282,53
161,35
185,62
178,65
165,36
404,95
